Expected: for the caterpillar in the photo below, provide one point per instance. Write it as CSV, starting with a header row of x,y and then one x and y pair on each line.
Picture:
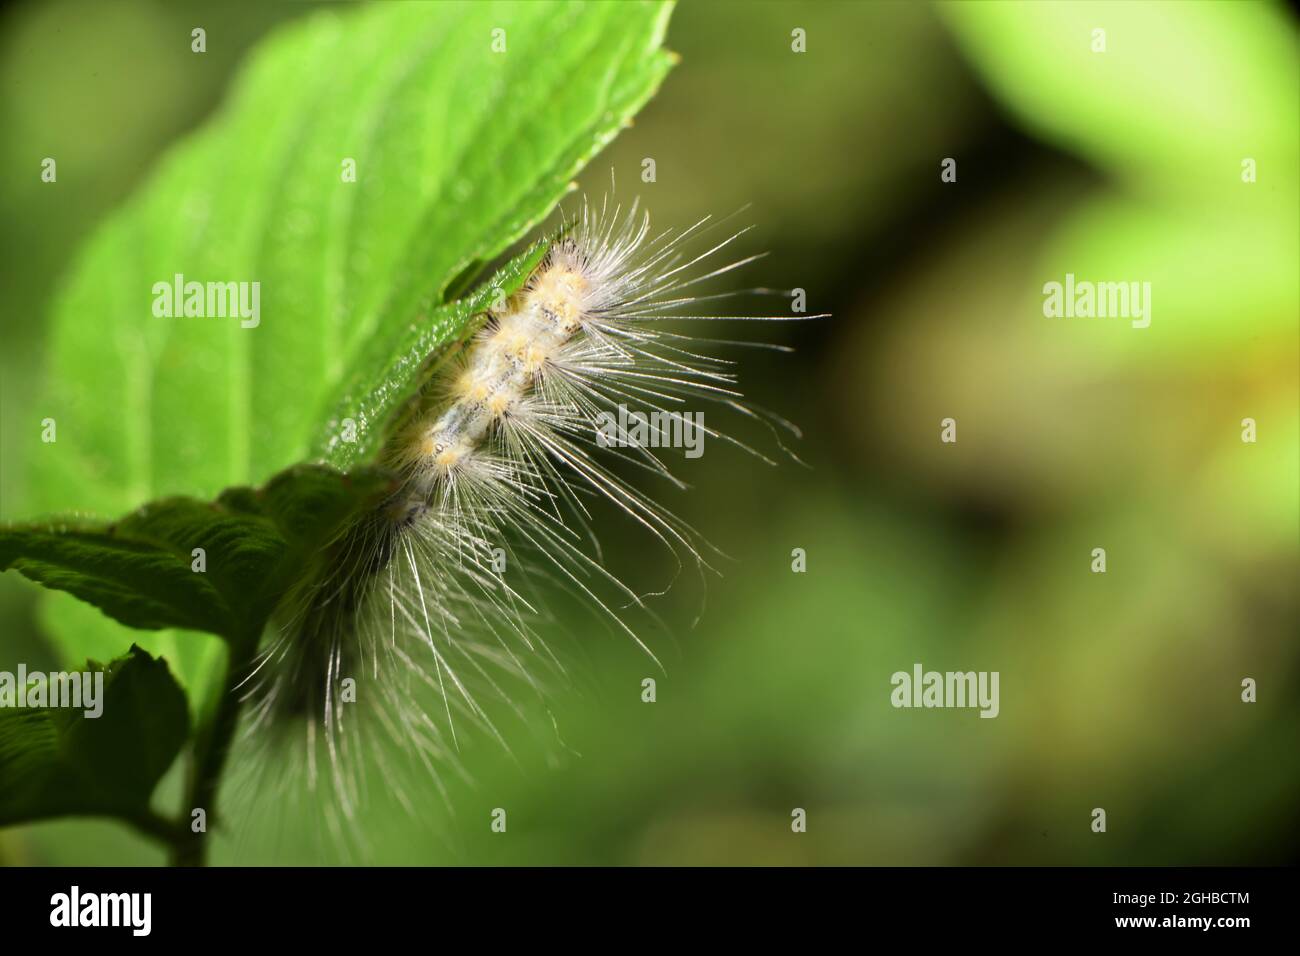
x,y
503,462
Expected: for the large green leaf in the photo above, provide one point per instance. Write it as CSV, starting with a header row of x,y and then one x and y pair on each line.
x,y
144,570
459,149
57,761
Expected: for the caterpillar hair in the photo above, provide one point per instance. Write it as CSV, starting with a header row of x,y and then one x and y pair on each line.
x,y
500,463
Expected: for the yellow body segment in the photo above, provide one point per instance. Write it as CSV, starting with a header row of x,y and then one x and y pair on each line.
x,y
504,365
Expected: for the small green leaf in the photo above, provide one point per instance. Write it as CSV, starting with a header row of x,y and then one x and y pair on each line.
x,y
1131,91
57,761
206,566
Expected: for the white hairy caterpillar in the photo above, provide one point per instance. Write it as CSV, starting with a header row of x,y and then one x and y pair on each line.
x,y
500,462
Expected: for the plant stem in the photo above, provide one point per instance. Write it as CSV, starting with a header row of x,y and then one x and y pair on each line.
x,y
155,825
211,748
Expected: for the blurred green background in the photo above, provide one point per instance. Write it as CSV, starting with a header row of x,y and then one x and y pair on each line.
x,y
1119,691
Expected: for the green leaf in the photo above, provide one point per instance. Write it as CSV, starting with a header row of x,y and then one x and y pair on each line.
x,y
1150,106
458,152
141,571
56,761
